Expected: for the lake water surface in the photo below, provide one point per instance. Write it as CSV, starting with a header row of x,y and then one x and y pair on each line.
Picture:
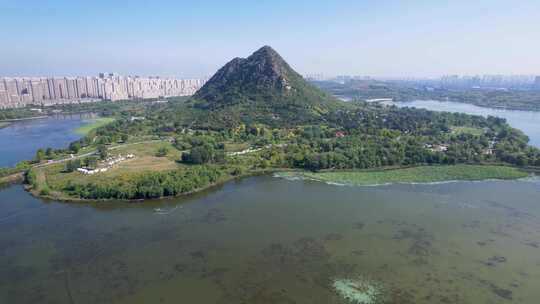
x,y
270,240
20,140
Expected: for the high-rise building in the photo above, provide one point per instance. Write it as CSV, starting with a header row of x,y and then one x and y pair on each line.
x,y
4,97
19,92
37,90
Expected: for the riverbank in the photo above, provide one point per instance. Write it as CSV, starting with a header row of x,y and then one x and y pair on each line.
x,y
23,119
372,177
4,124
41,189
423,174
11,179
96,123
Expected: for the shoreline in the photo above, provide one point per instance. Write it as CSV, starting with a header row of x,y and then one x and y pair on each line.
x,y
292,174
67,199
418,175
92,125
296,178
26,118
4,124
47,116
12,179
517,109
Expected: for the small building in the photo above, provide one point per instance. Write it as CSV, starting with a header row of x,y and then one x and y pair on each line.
x,y
488,151
340,134
134,118
439,148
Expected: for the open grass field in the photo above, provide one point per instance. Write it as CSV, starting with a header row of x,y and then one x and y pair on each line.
x,y
423,174
94,124
143,163
235,147
145,160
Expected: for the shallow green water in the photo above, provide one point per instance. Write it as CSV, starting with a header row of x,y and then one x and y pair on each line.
x,y
270,240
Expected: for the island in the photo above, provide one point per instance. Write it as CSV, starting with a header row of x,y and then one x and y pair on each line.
x,y
257,115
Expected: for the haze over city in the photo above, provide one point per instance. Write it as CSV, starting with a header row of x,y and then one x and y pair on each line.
x,y
191,39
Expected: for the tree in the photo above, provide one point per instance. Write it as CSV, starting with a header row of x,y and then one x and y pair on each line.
x,y
91,162
124,137
102,152
49,153
75,147
40,155
72,165
163,151
199,155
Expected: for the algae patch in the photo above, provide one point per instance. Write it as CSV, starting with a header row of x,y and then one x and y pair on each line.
x,y
358,291
411,175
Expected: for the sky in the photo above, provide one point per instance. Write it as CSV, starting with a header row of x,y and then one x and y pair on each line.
x,y
192,39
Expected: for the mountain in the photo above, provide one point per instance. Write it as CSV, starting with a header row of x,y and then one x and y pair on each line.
x,y
262,88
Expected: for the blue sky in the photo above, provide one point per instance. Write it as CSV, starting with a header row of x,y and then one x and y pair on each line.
x,y
194,38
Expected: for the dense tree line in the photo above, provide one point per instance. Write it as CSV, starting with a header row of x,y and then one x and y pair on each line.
x,y
150,185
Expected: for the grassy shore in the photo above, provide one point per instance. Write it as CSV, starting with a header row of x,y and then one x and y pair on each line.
x,y
423,174
96,123
10,179
51,181
4,124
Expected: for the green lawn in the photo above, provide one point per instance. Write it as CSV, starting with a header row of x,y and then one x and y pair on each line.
x,y
145,161
94,124
423,174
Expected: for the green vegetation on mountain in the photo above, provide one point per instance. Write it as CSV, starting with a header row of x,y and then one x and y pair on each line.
x,y
262,88
258,115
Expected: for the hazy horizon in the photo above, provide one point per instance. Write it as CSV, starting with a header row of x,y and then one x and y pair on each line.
x,y
192,40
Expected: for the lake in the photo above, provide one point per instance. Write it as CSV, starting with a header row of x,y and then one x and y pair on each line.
x,y
271,240
20,140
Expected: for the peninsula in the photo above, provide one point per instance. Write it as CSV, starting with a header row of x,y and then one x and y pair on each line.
x,y
257,115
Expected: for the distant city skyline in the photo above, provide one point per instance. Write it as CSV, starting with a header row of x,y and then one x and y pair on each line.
x,y
189,39
18,92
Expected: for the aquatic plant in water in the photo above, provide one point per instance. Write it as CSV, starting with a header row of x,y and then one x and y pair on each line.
x,y
358,291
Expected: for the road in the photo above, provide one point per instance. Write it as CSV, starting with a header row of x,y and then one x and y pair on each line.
x,y
59,161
